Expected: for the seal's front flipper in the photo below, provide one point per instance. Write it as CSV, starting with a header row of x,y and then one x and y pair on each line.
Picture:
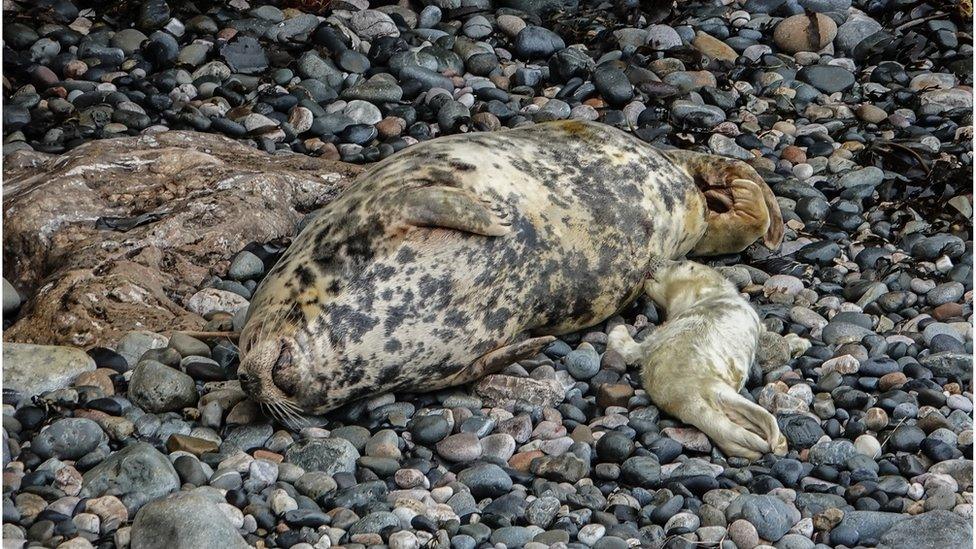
x,y
717,177
493,361
619,340
743,223
451,208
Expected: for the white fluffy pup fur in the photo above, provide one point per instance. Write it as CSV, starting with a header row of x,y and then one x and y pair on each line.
x,y
695,364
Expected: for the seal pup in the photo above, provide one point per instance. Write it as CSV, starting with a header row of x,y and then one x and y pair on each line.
x,y
695,364
461,255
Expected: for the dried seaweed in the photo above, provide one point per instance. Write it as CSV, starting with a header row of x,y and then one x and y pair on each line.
x,y
125,224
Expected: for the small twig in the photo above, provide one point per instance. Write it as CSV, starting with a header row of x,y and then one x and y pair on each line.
x,y
892,433
210,335
920,20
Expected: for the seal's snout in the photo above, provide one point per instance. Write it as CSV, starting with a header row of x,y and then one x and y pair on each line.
x,y
249,383
283,370
267,371
269,374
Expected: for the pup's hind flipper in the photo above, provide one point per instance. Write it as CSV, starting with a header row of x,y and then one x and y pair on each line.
x,y
705,408
754,418
737,426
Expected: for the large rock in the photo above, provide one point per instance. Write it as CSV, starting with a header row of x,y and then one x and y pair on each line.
x,y
932,530
329,455
871,524
34,369
157,388
138,474
202,198
955,366
961,470
499,390
186,519
804,32
771,516
68,438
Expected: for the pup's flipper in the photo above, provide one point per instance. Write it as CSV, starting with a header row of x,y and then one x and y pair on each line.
x,y
754,418
619,340
737,426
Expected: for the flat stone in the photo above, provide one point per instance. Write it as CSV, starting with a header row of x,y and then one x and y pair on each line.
x,y
138,472
827,78
713,47
34,369
499,390
329,455
158,388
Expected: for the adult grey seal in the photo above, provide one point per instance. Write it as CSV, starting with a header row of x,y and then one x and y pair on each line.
x,y
458,256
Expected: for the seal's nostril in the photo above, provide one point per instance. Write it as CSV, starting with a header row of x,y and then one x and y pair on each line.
x,y
245,379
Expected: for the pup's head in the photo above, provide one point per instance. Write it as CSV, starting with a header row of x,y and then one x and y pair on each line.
x,y
676,284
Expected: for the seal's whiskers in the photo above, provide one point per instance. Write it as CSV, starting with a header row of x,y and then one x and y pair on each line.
x,y
286,412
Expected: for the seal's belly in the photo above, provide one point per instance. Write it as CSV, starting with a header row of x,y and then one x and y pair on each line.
x,y
390,306
583,234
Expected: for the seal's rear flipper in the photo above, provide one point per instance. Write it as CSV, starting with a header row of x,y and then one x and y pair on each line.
x,y
754,418
711,410
451,208
493,361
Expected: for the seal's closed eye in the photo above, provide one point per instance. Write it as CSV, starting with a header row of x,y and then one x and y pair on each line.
x,y
283,372
284,358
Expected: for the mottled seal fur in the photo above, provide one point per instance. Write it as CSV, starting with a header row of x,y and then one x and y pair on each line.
x,y
463,254
694,365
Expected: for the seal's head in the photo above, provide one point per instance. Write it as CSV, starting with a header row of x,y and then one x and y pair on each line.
x,y
675,285
272,371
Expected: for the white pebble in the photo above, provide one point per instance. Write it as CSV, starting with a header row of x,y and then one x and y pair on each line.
x,y
404,539
591,533
868,445
281,502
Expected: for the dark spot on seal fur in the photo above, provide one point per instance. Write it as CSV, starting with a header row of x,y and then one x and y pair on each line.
x,y
462,166
496,319
456,318
395,316
406,255
384,272
305,276
349,325
387,374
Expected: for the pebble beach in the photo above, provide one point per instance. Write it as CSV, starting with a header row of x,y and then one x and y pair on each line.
x,y
857,114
